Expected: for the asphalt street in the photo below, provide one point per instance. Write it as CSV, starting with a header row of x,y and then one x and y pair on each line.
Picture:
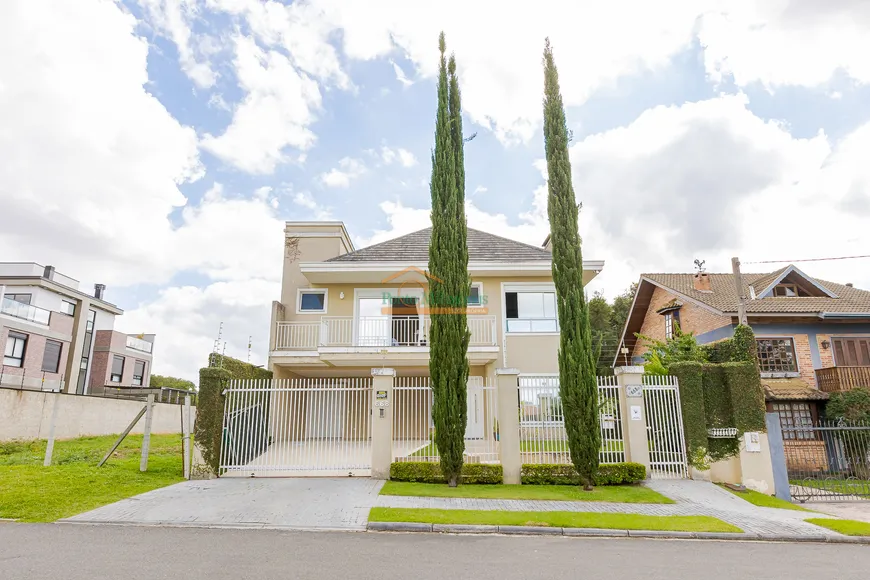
x,y
82,552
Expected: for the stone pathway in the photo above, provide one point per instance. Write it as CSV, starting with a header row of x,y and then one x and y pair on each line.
x,y
293,503
692,497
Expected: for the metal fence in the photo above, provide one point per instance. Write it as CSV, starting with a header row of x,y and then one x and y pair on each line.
x,y
414,429
829,461
664,420
543,438
297,427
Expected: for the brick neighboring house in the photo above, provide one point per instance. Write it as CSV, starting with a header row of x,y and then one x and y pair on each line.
x,y
813,335
56,337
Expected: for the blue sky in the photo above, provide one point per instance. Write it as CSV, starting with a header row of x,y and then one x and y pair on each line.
x,y
157,146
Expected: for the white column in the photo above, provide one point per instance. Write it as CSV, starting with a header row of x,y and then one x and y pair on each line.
x,y
382,422
507,389
634,426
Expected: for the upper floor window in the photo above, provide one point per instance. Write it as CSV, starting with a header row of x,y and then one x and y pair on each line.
x,y
776,355
68,307
138,372
475,295
669,325
117,369
16,344
51,356
531,312
311,301
21,298
785,290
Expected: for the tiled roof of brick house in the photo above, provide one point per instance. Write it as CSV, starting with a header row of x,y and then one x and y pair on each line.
x,y
414,248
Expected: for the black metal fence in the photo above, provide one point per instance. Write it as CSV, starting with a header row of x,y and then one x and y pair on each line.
x,y
830,461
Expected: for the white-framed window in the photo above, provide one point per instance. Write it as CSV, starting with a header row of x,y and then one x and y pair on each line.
x,y
68,307
311,301
475,294
117,369
669,325
16,344
530,309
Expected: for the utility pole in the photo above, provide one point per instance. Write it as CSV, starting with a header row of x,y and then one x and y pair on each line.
x,y
741,299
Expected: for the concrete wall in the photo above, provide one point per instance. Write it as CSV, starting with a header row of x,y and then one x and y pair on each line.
x,y
26,415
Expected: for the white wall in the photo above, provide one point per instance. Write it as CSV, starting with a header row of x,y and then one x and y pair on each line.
x,y
26,415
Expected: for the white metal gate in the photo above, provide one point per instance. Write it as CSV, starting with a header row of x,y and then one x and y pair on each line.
x,y
297,427
664,423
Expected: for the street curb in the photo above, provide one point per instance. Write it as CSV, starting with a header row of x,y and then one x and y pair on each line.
x,y
605,533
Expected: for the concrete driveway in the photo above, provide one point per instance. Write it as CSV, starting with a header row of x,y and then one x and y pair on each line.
x,y
297,503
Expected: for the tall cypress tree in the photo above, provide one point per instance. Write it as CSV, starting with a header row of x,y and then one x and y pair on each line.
x,y
578,386
448,265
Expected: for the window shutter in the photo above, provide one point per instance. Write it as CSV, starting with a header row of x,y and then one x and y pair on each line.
x,y
51,357
118,365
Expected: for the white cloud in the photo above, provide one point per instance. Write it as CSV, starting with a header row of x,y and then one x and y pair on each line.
x,y
406,158
400,154
279,105
348,169
186,320
787,42
400,74
479,189
172,18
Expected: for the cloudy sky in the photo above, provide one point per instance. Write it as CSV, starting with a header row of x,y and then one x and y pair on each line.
x,y
157,146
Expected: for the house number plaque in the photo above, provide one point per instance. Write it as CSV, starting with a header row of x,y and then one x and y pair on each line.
x,y
633,390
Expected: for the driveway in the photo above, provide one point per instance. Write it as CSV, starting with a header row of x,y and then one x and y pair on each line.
x,y
296,503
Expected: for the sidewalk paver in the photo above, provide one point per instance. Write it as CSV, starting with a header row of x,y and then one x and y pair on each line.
x,y
299,503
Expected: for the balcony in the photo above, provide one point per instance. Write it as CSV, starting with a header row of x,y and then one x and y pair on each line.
x,y
373,333
139,344
25,311
835,379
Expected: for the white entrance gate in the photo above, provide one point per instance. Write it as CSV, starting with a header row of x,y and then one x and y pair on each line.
x,y
297,427
664,423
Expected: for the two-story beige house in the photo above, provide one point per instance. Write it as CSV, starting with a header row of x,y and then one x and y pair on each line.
x,y
345,311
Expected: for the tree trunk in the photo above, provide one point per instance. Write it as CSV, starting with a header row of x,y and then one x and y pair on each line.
x,y
453,481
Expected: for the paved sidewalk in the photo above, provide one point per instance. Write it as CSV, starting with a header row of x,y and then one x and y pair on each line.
x,y
298,503
692,497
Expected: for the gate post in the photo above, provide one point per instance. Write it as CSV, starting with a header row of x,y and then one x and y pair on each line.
x,y
777,457
382,422
631,410
508,400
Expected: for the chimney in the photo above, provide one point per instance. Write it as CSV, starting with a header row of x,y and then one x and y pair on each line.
x,y
702,282
98,291
48,273
849,285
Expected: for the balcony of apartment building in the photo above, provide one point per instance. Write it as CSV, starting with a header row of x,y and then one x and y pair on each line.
x,y
851,365
10,305
399,338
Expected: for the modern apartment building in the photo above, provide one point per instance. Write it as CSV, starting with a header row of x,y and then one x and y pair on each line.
x,y
56,337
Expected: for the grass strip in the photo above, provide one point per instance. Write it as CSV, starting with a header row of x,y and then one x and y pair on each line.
x,y
554,519
846,527
762,500
610,493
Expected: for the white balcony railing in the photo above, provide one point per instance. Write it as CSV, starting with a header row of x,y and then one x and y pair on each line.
x,y
139,344
25,311
373,331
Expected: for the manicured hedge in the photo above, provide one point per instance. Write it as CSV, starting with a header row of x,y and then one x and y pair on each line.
x,y
210,414
237,368
717,400
557,474
422,472
691,380
747,396
721,351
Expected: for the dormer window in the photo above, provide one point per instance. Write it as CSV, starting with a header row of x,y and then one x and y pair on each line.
x,y
671,313
785,290
669,325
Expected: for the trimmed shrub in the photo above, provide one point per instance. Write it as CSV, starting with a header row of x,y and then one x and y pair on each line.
x,y
564,474
690,378
747,395
745,348
237,368
721,351
717,400
423,472
210,414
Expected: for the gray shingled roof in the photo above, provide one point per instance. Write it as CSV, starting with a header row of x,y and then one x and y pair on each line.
x,y
414,248
724,295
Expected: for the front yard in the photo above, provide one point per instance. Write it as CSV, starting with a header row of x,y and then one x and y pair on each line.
x,y
609,493
74,484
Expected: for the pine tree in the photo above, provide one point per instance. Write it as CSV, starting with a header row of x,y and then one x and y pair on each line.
x,y
448,266
578,386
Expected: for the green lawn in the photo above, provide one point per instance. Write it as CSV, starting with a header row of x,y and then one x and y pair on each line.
x,y
73,484
847,527
554,519
611,493
763,500
844,486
